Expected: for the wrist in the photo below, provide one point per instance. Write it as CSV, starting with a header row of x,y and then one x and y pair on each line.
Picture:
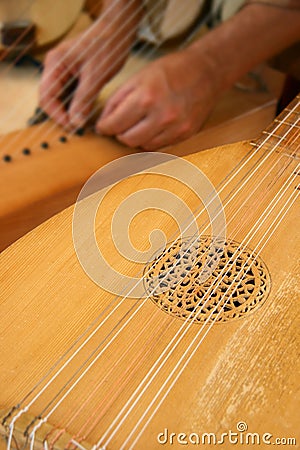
x,y
203,68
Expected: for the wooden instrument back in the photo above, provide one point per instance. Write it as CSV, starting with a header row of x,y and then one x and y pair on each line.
x,y
243,376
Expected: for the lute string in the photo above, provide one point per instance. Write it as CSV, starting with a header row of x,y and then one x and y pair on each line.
x,y
159,328
70,416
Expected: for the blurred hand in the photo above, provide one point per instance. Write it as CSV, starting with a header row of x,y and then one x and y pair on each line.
x,y
92,58
164,103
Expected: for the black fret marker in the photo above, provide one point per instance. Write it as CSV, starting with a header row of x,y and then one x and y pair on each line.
x,y
26,151
7,158
79,132
44,145
63,139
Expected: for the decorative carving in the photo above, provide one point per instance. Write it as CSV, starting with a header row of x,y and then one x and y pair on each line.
x,y
188,281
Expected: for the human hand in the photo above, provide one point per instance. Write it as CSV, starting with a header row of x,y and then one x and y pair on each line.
x,y
92,59
164,103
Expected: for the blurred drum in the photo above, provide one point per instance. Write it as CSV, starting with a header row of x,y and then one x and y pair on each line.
x,y
28,25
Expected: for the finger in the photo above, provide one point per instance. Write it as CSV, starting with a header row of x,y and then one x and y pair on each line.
x,y
126,115
171,136
140,134
57,112
84,97
50,91
115,99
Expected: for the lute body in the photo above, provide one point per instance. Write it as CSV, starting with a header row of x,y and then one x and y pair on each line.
x,y
242,369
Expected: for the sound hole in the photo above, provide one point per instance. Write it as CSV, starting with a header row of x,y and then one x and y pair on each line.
x,y
236,284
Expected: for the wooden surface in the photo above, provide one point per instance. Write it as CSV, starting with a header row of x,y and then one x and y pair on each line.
x,y
244,370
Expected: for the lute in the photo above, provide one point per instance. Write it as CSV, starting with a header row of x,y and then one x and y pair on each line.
x,y
205,351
